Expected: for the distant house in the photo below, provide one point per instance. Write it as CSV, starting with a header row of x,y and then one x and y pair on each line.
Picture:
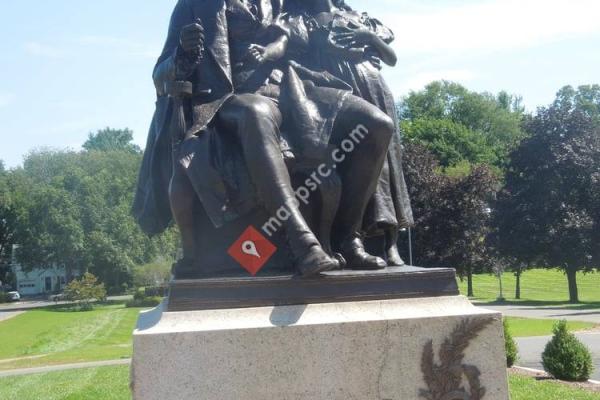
x,y
39,280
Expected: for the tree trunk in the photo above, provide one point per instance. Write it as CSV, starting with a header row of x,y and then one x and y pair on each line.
x,y
572,279
470,292
518,288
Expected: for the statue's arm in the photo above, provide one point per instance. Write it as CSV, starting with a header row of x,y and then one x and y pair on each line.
x,y
383,37
384,51
174,63
372,36
296,32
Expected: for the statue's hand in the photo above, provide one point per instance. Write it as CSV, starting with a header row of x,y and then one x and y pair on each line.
x,y
191,39
353,38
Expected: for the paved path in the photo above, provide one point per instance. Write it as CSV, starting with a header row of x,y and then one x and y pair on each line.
x,y
4,315
531,349
548,312
54,368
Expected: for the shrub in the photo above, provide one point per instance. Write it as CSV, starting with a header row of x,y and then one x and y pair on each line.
x,y
85,290
144,302
153,274
3,297
512,353
160,291
139,294
565,357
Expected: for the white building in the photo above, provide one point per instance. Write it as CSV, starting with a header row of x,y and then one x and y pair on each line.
x,y
38,281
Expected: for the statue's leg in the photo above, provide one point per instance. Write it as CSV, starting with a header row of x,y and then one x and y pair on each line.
x,y
391,248
256,121
182,198
363,134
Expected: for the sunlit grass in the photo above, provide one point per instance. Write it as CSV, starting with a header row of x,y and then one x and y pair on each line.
x,y
523,327
58,335
537,286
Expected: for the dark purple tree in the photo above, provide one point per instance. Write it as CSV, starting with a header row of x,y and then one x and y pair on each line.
x,y
550,210
452,214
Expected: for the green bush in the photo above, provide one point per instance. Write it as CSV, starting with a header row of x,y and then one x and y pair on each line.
x,y
3,297
139,294
565,357
144,302
85,290
512,353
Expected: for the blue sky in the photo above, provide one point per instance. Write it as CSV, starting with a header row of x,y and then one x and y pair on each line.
x,y
70,67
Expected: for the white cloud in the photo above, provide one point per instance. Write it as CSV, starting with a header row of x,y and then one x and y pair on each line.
x,y
493,24
42,50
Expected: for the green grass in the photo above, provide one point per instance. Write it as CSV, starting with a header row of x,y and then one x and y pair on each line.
x,y
524,327
105,383
58,335
112,383
538,286
526,388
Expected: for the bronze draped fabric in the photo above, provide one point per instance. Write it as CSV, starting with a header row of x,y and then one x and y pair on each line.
x,y
212,161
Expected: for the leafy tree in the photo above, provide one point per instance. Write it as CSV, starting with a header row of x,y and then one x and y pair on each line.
x,y
111,140
450,141
457,124
157,273
452,213
77,214
8,223
49,232
85,290
516,235
550,210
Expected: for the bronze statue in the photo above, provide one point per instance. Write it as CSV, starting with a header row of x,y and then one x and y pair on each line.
x,y
242,107
351,46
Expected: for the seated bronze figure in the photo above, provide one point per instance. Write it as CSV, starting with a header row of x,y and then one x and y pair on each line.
x,y
246,111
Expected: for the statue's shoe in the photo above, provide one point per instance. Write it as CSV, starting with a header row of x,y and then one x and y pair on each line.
x,y
393,257
315,261
357,257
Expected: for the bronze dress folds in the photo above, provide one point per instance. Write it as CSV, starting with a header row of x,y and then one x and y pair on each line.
x,y
390,206
212,159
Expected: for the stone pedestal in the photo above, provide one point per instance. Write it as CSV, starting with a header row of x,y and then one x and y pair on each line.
x,y
394,349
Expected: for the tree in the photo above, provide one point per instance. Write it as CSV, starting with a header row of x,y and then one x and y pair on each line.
x,y
8,219
49,233
516,232
551,208
457,124
157,273
111,140
450,141
452,213
85,290
77,214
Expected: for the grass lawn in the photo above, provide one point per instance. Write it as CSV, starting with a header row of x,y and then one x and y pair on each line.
x,y
526,388
537,286
105,383
112,383
58,335
523,327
